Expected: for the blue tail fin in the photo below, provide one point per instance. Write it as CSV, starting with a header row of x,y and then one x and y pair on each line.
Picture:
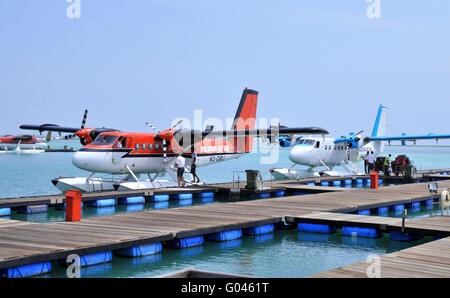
x,y
379,129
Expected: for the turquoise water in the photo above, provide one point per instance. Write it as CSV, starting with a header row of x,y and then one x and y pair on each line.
x,y
281,254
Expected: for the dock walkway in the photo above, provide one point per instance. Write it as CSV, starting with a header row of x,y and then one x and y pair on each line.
x,y
429,260
38,242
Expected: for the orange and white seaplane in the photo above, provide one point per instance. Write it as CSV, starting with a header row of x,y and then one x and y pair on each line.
x,y
22,144
134,154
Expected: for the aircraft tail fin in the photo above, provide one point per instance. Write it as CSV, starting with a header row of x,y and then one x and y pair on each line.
x,y
380,128
245,119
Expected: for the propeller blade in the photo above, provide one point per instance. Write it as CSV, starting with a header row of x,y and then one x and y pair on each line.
x,y
68,137
84,119
176,124
152,127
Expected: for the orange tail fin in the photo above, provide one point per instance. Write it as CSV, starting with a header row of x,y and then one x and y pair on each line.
x,y
245,118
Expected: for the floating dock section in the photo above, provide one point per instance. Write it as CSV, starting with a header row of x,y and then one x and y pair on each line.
x,y
36,243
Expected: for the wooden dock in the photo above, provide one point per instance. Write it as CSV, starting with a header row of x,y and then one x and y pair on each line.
x,y
24,244
58,199
230,188
435,226
38,242
429,260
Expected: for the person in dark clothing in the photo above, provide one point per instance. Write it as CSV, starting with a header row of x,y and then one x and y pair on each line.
x,y
194,166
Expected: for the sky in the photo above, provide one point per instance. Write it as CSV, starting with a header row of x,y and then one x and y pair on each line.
x,y
315,63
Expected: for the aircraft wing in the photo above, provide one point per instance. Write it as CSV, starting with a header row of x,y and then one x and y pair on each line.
x,y
50,127
430,136
266,132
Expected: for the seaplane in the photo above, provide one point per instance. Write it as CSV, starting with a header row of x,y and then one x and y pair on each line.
x,y
134,155
321,155
23,144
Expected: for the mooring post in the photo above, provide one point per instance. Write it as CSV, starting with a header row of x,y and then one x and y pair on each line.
x,y
73,205
373,179
405,212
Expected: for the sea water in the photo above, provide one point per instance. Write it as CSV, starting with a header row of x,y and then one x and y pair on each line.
x,y
31,175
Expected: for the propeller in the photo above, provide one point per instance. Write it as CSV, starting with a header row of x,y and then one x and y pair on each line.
x,y
352,140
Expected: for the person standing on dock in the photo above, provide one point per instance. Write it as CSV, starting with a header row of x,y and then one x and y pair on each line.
x,y
371,161
180,163
194,165
366,162
386,165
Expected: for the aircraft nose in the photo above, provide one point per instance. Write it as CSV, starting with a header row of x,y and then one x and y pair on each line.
x,y
298,153
79,160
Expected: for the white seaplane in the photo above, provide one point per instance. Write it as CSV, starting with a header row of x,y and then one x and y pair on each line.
x,y
322,155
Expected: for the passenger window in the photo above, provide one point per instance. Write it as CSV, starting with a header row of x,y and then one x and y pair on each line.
x,y
317,145
156,146
143,147
124,142
137,146
150,146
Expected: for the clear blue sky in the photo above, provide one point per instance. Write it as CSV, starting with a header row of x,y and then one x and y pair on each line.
x,y
315,63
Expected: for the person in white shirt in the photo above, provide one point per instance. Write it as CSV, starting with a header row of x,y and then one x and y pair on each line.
x,y
371,160
180,163
366,162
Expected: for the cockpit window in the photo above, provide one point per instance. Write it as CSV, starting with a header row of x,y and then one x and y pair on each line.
x,y
104,140
306,142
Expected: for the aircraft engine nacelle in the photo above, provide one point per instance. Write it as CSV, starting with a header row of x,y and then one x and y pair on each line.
x,y
352,141
284,142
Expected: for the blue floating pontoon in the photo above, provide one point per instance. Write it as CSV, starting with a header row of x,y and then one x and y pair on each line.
x,y
225,235
26,270
90,259
361,232
183,196
102,203
140,250
397,207
259,230
316,228
382,210
186,242
5,211
336,183
158,198
131,200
